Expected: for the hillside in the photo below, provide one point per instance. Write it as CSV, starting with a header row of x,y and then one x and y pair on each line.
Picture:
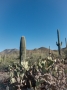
x,y
42,51
8,56
28,52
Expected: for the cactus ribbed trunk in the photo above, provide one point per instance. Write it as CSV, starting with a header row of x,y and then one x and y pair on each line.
x,y
58,43
66,42
22,49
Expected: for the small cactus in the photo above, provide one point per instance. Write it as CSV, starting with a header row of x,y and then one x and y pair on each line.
x,y
49,51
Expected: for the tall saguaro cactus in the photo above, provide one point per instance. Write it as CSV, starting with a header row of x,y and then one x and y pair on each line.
x,y
66,42
59,43
22,49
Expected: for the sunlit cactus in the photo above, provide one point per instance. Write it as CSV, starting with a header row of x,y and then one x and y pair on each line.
x,y
22,49
59,43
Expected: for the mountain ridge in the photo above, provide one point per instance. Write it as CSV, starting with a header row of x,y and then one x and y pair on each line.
x,y
40,48
36,51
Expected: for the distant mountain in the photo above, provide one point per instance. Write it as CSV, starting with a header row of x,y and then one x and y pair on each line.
x,y
9,51
37,51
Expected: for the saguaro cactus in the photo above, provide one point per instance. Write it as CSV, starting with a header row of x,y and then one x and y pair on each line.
x,y
66,42
59,43
22,49
49,51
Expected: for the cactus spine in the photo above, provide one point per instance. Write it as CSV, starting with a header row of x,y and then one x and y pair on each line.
x,y
66,42
59,43
22,49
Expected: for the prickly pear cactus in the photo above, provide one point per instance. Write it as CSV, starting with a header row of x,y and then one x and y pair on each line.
x,y
25,65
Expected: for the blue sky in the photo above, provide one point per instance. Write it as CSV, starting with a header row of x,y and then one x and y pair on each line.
x,y
37,20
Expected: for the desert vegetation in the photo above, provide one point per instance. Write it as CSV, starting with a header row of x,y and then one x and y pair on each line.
x,y
39,69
